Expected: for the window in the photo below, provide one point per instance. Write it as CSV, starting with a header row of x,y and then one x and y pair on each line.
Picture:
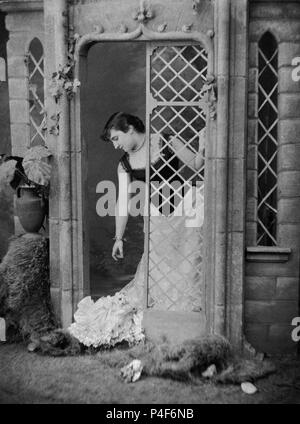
x,y
35,65
176,76
267,144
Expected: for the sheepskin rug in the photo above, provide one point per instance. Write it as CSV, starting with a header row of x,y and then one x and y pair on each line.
x,y
25,300
24,287
187,361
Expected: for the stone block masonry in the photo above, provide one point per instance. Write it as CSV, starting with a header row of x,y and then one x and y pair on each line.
x,y
272,289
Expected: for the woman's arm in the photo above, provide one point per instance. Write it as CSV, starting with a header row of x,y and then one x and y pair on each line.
x,y
121,213
200,156
194,160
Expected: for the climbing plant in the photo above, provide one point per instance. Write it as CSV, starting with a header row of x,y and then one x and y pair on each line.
x,y
63,79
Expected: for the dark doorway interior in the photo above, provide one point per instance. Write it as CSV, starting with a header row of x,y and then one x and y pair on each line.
x,y
116,78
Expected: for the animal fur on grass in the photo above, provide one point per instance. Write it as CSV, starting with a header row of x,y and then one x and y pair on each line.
x,y
25,292
180,362
189,359
186,362
25,299
241,370
58,343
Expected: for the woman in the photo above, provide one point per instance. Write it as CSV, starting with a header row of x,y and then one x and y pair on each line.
x,y
117,318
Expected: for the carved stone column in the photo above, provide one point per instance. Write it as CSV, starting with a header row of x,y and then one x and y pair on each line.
x,y
216,179
60,218
237,152
225,176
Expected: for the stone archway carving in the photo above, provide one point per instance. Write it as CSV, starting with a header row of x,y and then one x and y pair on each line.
x,y
224,314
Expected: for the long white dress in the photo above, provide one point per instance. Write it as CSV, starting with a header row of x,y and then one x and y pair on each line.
x,y
175,279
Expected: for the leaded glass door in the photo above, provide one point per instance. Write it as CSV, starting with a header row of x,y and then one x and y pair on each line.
x,y
174,244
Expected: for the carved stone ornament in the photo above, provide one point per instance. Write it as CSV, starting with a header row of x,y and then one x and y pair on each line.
x,y
210,33
122,28
162,27
158,32
208,93
196,6
98,29
187,28
144,13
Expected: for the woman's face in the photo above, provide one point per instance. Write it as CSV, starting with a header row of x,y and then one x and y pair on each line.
x,y
122,140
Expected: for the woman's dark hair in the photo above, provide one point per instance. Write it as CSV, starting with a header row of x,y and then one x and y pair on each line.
x,y
121,121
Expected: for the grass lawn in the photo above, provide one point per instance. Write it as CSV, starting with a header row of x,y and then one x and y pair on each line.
x,y
30,378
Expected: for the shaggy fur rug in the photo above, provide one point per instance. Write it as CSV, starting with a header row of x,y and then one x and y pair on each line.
x,y
186,362
241,369
24,288
25,301
183,361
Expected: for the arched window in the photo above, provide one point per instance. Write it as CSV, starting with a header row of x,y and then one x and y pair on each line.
x,y
267,144
35,66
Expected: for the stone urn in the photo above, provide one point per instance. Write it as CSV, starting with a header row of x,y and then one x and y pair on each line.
x,y
30,208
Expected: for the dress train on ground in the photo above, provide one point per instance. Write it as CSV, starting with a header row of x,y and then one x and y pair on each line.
x,y
177,242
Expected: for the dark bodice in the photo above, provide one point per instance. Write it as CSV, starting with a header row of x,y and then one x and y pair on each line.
x,y
166,170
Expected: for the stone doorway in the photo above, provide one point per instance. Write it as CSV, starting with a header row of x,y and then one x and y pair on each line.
x,y
212,25
164,87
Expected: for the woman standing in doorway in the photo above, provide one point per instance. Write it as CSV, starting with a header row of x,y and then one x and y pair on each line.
x,y
113,319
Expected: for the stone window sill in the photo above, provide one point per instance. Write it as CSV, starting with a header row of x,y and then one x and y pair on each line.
x,y
268,254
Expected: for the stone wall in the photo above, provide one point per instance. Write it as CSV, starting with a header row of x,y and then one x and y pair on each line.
x,y
24,23
272,277
6,204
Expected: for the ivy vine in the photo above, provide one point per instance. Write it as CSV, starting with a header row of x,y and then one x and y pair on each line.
x,y
63,79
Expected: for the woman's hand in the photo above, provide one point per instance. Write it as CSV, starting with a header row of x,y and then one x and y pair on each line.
x,y
117,250
186,155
